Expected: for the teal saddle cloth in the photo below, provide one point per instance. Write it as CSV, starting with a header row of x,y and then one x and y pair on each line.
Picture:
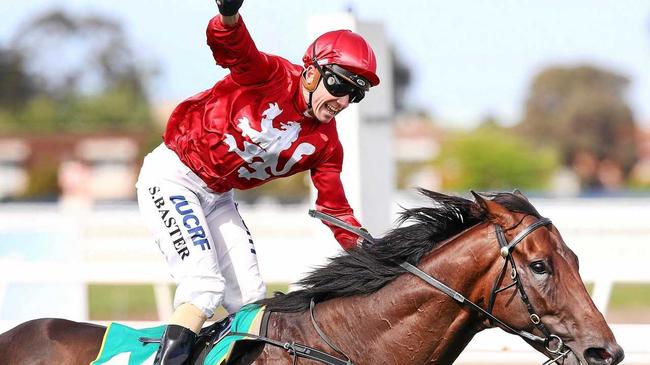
x,y
121,345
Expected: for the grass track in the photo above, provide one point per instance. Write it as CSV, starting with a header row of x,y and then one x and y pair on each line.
x,y
630,303
136,302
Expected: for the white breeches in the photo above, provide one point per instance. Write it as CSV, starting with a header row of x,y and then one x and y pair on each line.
x,y
208,248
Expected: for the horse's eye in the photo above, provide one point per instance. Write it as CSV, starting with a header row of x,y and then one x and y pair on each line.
x,y
538,267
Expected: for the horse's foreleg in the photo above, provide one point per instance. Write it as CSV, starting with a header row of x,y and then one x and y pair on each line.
x,y
51,341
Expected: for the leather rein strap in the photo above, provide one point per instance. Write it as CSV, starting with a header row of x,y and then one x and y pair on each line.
x,y
506,249
296,350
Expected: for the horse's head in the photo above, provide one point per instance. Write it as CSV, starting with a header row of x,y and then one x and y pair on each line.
x,y
547,297
422,291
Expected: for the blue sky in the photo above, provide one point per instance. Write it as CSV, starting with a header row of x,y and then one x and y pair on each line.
x,y
469,57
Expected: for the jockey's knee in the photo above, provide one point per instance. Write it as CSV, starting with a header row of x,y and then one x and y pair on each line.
x,y
254,294
238,296
205,293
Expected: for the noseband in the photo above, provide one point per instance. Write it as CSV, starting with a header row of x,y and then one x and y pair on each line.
x,y
558,351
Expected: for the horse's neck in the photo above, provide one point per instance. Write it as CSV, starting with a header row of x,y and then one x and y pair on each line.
x,y
409,321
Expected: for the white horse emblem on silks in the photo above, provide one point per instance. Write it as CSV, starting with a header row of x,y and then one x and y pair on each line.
x,y
267,145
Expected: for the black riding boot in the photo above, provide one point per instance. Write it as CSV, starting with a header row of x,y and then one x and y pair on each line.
x,y
175,346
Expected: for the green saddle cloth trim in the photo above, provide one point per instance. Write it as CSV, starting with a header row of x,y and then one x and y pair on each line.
x,y
122,347
247,320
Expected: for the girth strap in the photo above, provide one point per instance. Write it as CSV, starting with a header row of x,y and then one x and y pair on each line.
x,y
296,349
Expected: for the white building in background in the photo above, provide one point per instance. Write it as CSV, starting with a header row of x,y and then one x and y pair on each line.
x,y
112,164
97,167
13,176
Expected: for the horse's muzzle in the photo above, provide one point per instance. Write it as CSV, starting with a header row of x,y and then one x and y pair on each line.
x,y
611,355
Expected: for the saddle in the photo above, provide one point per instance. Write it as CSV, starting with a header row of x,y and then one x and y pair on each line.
x,y
215,344
207,338
238,339
241,352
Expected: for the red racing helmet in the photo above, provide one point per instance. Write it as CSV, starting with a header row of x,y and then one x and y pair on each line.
x,y
346,49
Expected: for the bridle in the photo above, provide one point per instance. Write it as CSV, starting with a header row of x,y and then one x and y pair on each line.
x,y
559,351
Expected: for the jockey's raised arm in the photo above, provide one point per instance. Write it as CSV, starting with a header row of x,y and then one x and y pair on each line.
x,y
267,119
233,48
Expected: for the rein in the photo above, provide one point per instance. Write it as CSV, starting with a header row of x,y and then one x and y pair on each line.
x,y
296,350
506,249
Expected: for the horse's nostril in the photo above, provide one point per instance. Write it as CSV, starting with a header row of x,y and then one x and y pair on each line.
x,y
598,356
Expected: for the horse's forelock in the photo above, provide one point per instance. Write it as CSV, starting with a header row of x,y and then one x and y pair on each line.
x,y
515,203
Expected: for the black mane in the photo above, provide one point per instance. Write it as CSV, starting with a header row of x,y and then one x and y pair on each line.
x,y
366,270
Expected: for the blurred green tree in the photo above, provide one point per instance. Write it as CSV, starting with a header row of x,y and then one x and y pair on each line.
x,y
66,73
582,112
16,86
493,158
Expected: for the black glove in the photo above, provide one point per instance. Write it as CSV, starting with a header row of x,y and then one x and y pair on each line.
x,y
229,7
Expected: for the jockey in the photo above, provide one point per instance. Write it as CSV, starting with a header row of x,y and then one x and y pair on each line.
x,y
267,119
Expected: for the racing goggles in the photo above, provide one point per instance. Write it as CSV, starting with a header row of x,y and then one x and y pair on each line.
x,y
340,82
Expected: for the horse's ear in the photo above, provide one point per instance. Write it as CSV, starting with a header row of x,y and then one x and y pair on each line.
x,y
518,193
479,200
495,211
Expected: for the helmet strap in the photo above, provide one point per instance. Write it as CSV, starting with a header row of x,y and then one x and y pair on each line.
x,y
310,86
313,84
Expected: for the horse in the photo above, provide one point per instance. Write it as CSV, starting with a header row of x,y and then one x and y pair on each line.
x,y
367,307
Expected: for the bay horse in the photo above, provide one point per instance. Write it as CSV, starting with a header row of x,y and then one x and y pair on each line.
x,y
370,310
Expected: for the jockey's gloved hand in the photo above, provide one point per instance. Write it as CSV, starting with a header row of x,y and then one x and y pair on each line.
x,y
229,7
